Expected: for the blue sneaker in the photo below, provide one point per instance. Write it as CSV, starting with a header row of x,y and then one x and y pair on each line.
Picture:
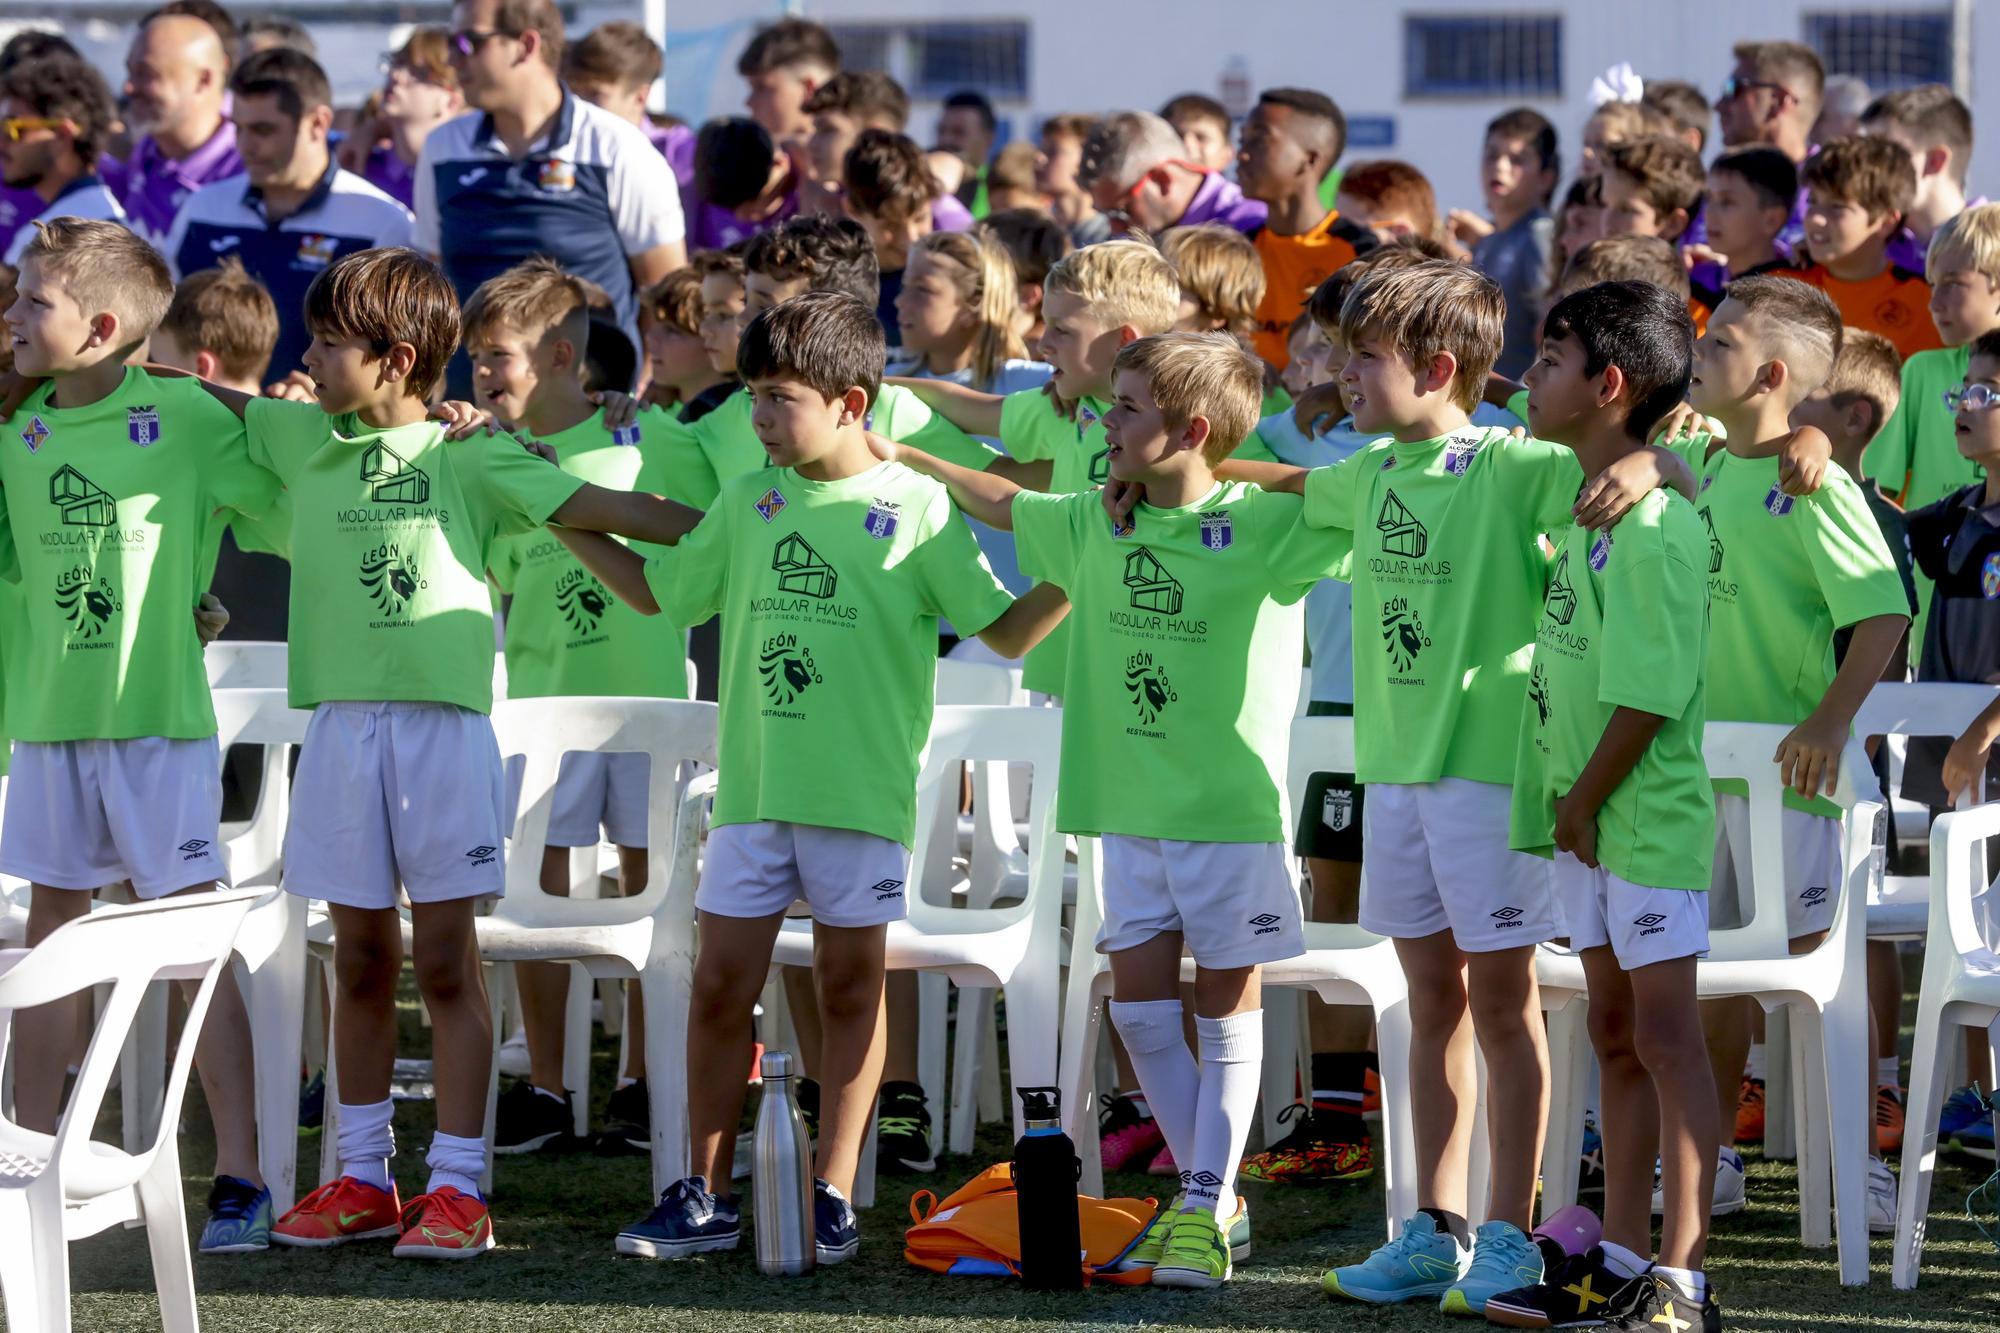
x,y
1967,1123
239,1218
1422,1263
1503,1259
687,1220
835,1235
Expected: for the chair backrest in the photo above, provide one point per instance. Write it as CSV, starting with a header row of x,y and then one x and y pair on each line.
x,y
1322,745
259,715
244,663
1742,751
541,731
979,733
1920,708
1958,863
975,682
183,938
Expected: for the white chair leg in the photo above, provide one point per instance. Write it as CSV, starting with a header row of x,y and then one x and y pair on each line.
x,y
1810,1070
142,1066
329,1134
35,1297
1780,1091
1033,1058
576,1045
1284,1039
164,1212
492,1088
666,993
1849,1085
1570,1059
975,1015
1077,1059
1924,1101
276,998
611,994
1398,1159
991,1104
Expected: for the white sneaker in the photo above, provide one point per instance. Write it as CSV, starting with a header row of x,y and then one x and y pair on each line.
x,y
1728,1186
513,1060
1882,1188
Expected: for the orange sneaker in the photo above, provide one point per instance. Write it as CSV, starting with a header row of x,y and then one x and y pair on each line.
x,y
1371,1095
1888,1120
1750,1112
338,1212
445,1224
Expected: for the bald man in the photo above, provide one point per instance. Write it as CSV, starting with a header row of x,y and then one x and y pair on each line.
x,y
175,79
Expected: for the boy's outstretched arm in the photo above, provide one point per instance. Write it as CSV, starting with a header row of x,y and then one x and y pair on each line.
x,y
617,566
1606,496
971,411
1809,758
1619,750
1028,621
984,496
634,514
1966,760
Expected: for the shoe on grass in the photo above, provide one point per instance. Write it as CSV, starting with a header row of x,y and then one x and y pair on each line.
x,y
1728,1187
1320,1147
903,1130
1882,1193
526,1119
1661,1308
1580,1291
1750,1111
340,1212
687,1220
836,1235
1888,1120
239,1218
1421,1263
447,1223
1196,1253
1124,1136
1966,1122
1503,1259
628,1117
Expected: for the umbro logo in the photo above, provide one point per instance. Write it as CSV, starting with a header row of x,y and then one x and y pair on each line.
x,y
1812,896
1650,924
194,849
886,889
1508,917
482,855
1265,923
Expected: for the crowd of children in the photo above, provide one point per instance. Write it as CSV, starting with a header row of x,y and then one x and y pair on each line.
x,y
1525,489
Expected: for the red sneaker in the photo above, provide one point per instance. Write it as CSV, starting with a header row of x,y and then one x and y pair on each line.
x,y
338,1212
445,1224
1750,1112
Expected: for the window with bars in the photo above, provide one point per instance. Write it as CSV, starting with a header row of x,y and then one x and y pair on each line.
x,y
1512,55
937,59
1887,49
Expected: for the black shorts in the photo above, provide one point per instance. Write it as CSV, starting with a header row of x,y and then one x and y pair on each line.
x,y
1330,816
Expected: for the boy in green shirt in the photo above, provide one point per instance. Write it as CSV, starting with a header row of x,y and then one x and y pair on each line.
x,y
113,486
1609,780
1784,574
526,331
1186,637
836,567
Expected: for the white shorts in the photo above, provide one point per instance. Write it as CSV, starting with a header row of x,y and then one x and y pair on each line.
x,y
396,791
1642,925
1438,860
85,814
600,791
1233,902
1812,866
845,876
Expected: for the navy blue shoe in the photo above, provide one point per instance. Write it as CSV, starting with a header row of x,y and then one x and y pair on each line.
x,y
687,1220
312,1102
835,1235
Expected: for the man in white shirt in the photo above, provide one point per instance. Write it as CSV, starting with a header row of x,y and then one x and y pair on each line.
x,y
55,116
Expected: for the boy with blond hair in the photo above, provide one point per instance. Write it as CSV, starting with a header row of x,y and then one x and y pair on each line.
x,y
113,485
1222,280
1151,681
527,331
1857,191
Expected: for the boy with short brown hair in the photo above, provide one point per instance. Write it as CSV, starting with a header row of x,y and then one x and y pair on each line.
x,y
679,371
1934,127
222,326
1652,186
1392,199
1857,191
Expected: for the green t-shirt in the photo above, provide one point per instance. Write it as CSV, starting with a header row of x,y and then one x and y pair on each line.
x,y
113,511
731,445
1624,624
566,633
392,534
830,594
1032,430
1448,579
1784,573
1186,647
1916,455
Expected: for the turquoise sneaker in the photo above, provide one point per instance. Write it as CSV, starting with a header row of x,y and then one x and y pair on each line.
x,y
1503,1259
239,1218
1422,1263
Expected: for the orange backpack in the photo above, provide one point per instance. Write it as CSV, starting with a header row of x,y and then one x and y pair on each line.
x,y
976,1231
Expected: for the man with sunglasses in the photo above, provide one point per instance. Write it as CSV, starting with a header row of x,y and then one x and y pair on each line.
x,y
55,116
1771,98
176,77
536,170
1135,169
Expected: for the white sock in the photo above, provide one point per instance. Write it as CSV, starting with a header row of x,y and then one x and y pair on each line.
x,y
456,1162
1754,1066
624,1083
1887,1072
1693,1283
1151,1030
365,1141
1232,1063
552,1096
1623,1262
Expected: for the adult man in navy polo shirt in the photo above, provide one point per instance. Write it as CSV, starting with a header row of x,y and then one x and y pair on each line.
x,y
537,171
175,78
294,212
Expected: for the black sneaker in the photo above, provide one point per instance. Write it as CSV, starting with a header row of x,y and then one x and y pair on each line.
x,y
835,1235
1579,1291
687,1220
312,1102
1662,1309
525,1121
903,1130
628,1117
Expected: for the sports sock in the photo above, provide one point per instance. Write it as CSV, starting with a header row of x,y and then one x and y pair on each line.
x,y
1887,1072
1452,1224
624,1083
1340,1079
1693,1283
1754,1066
456,1162
365,1141
1151,1030
1623,1262
1232,1063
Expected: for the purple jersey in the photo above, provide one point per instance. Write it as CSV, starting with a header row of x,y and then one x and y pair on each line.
x,y
389,173
1219,200
156,185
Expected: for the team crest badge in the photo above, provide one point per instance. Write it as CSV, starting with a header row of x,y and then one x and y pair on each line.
x,y
34,434
557,174
1086,417
315,251
1215,530
1337,809
626,435
1600,552
771,505
142,425
1458,455
1778,503
1389,462
1122,527
1989,577
881,521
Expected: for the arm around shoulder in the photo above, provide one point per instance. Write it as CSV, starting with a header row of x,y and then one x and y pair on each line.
x,y
633,514
620,568
1027,621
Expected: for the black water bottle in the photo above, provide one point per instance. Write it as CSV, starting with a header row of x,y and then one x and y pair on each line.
x,y
1046,1170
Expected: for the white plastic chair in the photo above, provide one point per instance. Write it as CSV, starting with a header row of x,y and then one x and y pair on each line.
x,y
63,1187
1825,992
245,664
1015,948
1961,988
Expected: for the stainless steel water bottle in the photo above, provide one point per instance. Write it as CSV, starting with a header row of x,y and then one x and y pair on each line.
x,y
781,1175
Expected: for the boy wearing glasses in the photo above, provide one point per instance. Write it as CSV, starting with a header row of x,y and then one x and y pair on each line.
x,y
419,93
55,116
